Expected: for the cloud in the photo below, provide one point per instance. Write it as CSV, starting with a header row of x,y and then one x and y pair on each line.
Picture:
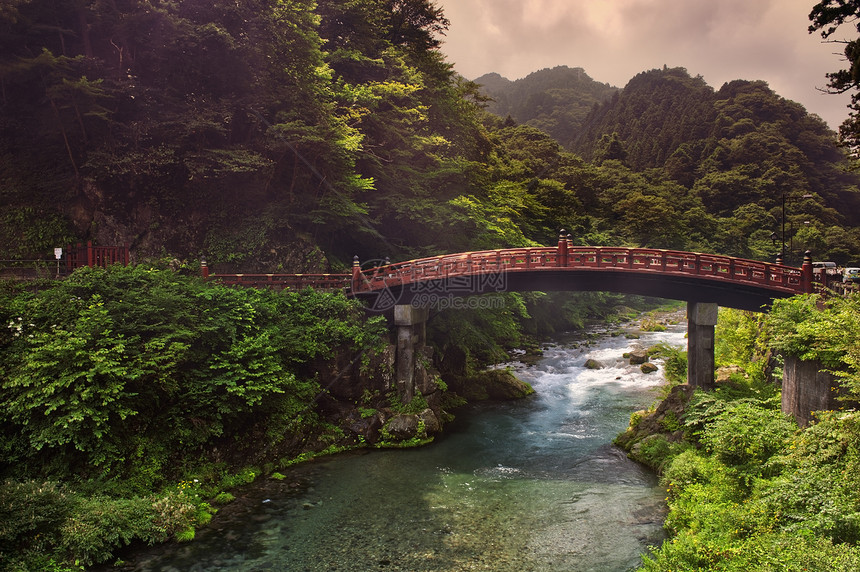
x,y
613,40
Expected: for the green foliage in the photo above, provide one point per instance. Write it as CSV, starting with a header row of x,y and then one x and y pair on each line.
x,y
745,435
417,405
739,339
649,324
555,100
817,490
657,451
756,493
29,233
112,367
45,517
827,16
674,363
829,332
32,512
223,498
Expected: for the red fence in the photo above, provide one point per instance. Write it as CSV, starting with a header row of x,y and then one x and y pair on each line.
x,y
777,277
89,255
287,281
669,262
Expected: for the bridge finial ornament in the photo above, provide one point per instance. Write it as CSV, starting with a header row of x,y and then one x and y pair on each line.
x,y
806,272
561,256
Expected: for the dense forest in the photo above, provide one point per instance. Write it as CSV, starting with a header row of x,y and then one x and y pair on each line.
x,y
290,135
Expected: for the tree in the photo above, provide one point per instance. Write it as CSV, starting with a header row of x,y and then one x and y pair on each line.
x,y
827,16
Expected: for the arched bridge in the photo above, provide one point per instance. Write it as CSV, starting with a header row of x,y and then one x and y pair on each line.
x,y
410,288
704,281
678,275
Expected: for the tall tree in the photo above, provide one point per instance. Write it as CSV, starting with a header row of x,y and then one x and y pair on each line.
x,y
827,16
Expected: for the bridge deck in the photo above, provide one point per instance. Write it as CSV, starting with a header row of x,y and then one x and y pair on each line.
x,y
672,274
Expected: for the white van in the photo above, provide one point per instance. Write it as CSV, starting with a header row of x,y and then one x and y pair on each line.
x,y
828,268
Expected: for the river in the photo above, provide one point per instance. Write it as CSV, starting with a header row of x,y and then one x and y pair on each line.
x,y
532,485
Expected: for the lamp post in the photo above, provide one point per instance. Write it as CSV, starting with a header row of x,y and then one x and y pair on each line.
x,y
781,257
58,254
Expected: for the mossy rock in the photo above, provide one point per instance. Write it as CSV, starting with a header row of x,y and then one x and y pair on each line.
x,y
638,357
648,367
497,385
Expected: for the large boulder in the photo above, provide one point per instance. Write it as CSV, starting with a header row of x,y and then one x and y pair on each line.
x,y
403,427
638,357
432,425
496,384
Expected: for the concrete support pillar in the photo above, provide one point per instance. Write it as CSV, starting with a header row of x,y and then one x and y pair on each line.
x,y
806,388
701,319
411,337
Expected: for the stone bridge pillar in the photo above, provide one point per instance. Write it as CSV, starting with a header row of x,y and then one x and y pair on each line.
x,y
807,387
701,319
411,337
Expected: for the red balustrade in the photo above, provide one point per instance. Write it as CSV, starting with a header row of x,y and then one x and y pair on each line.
x,y
287,281
88,255
544,259
710,266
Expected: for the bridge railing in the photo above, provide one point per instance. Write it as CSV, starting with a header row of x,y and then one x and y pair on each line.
x,y
88,254
710,266
564,257
287,281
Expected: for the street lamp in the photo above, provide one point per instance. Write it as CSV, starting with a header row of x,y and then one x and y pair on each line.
x,y
781,257
58,254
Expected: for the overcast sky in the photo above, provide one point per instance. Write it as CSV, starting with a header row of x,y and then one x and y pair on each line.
x,y
613,40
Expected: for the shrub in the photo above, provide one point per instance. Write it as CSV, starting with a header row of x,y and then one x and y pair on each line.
x,y
31,513
111,368
747,435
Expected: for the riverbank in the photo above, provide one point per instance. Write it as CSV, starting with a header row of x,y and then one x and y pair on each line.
x,y
529,484
747,489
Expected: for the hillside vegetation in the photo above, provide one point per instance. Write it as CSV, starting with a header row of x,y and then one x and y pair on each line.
x,y
556,101
291,135
747,489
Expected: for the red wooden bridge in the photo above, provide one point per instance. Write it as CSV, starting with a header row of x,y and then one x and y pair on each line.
x,y
678,275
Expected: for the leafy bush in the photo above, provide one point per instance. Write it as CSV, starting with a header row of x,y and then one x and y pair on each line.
x,y
759,493
674,362
746,435
811,329
657,451
31,513
106,372
739,340
817,490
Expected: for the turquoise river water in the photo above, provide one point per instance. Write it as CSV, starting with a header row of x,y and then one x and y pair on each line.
x,y
532,485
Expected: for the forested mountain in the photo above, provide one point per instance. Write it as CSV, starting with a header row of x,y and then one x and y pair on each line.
x,y
653,115
737,151
554,100
290,135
